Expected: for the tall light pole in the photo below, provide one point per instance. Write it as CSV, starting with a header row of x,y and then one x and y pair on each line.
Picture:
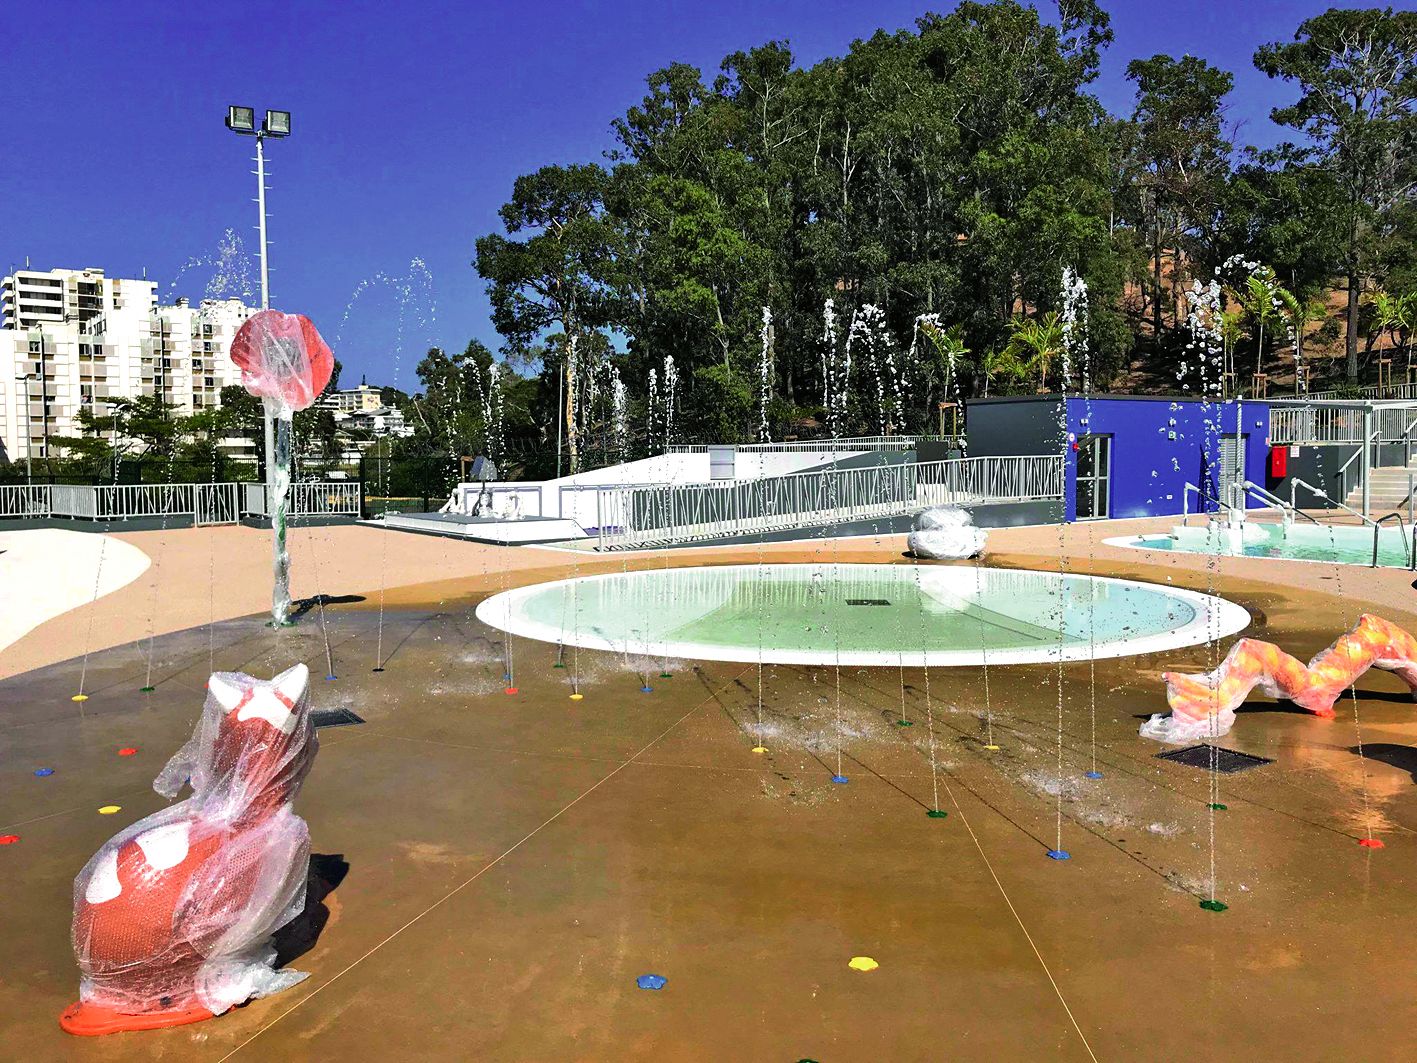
x,y
276,124
277,429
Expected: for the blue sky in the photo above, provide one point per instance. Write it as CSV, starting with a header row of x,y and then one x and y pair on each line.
x,y
411,120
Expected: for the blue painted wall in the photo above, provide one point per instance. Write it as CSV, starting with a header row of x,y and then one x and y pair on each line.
x,y
1158,446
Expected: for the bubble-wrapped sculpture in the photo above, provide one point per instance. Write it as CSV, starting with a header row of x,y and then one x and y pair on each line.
x,y
173,916
1203,706
946,533
286,365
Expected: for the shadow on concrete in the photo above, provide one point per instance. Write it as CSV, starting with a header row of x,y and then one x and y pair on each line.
x,y
299,935
1403,757
304,605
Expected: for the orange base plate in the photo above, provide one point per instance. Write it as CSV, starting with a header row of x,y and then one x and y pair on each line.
x,y
92,1020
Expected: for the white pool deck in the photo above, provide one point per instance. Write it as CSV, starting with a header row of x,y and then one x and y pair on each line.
x,y
45,572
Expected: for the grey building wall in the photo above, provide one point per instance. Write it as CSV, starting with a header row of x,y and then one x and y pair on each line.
x,y
1023,425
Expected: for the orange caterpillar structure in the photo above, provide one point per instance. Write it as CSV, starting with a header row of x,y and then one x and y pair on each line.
x,y
1203,706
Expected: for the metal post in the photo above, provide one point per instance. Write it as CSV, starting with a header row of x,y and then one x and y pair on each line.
x,y
1367,463
261,207
29,443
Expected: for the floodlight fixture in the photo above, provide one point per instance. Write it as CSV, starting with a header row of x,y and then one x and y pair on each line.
x,y
242,120
277,124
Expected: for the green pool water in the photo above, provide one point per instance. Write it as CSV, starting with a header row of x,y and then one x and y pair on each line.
x,y
862,614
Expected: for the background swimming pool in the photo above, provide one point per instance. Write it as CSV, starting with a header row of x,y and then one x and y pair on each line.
x,y
1301,542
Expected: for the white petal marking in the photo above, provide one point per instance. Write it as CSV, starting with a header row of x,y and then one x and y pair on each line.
x,y
166,846
103,883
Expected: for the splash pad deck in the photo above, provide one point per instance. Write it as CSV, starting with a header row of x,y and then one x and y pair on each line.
x,y
537,855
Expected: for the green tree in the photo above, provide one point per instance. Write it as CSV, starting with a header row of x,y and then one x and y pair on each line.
x,y
556,278
1182,157
1036,343
1356,71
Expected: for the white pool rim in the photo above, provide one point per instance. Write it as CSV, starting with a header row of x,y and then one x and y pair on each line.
x,y
1215,618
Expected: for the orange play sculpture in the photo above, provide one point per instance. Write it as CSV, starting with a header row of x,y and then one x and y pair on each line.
x,y
1203,706
173,916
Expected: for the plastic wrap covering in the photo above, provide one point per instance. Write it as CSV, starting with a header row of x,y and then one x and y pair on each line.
x,y
173,916
282,358
286,364
1203,706
946,533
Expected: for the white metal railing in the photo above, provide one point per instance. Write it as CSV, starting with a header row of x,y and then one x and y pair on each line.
x,y
656,514
1370,391
24,500
1327,425
317,498
114,502
825,446
253,499
515,500
1315,425
504,499
325,498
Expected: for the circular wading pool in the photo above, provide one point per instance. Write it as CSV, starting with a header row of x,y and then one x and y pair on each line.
x,y
862,614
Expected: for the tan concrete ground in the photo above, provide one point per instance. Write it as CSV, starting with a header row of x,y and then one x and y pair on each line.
x,y
515,862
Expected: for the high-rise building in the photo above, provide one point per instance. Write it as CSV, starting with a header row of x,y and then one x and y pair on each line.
x,y
97,339
31,297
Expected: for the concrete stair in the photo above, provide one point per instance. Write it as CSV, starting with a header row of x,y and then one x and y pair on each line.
x,y
1388,491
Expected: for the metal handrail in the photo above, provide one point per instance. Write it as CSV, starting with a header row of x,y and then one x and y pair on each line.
x,y
1319,492
1200,494
1276,502
1402,532
1343,469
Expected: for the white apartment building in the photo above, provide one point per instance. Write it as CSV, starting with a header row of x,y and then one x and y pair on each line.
x,y
30,298
362,399
377,422
102,339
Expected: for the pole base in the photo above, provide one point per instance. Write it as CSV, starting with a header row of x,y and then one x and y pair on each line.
x,y
91,1020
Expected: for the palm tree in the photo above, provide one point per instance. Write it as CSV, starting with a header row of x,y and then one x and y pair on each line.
x,y
1406,323
1298,314
1036,343
1230,321
1396,315
1259,298
949,345
995,362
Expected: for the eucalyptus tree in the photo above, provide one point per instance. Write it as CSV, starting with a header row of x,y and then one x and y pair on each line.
x,y
1182,158
557,277
1356,71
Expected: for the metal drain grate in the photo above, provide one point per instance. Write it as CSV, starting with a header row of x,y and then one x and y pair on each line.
x,y
1226,761
867,601
334,718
